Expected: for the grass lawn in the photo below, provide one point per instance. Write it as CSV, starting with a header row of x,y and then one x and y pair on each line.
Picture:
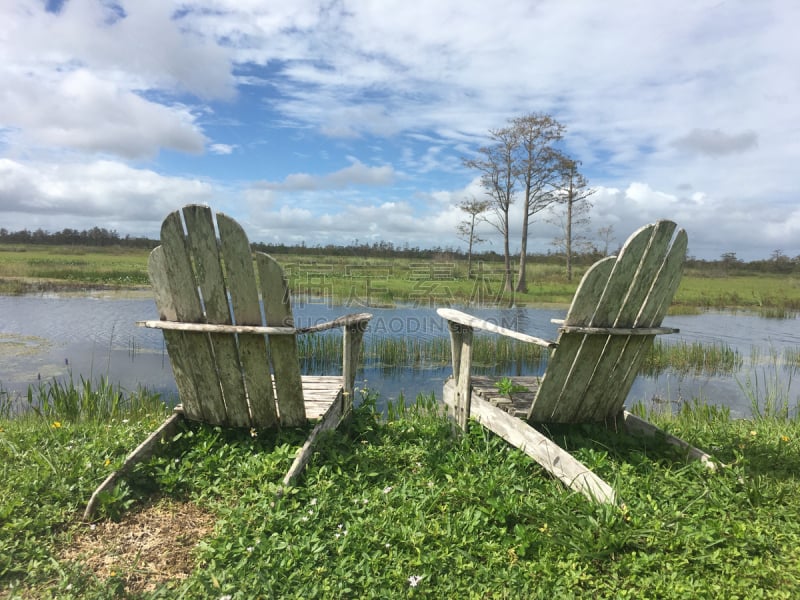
x,y
397,506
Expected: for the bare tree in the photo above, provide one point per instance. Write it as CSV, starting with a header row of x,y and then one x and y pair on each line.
x,y
496,163
606,235
536,165
466,228
572,198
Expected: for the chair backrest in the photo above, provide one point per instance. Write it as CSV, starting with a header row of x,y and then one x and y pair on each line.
x,y
197,277
589,374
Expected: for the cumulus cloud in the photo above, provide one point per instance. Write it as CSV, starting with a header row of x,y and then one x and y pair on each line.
x,y
89,194
97,78
78,110
409,96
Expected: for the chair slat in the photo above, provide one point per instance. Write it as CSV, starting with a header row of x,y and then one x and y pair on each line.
x,y
586,370
652,313
235,250
603,389
178,346
202,243
563,358
283,348
199,356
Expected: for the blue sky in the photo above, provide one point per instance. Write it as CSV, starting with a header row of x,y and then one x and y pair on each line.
x,y
331,121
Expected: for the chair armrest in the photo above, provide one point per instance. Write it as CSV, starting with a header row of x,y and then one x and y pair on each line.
x,y
359,319
456,316
216,328
346,321
614,330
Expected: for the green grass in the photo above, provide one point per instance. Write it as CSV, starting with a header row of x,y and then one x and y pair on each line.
x,y
32,268
494,354
390,281
388,502
773,295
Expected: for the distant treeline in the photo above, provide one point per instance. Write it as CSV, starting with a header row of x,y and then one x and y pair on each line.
x,y
727,264
96,236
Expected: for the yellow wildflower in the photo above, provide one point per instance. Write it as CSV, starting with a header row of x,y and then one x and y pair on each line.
x,y
56,424
753,432
108,462
784,438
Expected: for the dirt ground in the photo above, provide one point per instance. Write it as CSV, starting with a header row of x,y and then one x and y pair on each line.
x,y
145,548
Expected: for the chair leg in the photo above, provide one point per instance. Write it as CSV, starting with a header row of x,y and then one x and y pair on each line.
x,y
332,418
142,452
638,426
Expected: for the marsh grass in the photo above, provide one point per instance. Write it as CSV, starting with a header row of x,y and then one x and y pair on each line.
x,y
94,400
324,351
405,507
770,392
496,354
691,357
389,281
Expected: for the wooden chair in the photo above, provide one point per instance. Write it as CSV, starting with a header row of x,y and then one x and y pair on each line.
x,y
207,293
615,314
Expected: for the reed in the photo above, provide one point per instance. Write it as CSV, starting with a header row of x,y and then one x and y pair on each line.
x,y
321,352
693,357
98,400
770,394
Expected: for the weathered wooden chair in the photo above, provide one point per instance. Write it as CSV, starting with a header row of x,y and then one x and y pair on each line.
x,y
615,314
207,294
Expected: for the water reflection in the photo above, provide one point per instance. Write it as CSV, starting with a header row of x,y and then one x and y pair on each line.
x,y
44,337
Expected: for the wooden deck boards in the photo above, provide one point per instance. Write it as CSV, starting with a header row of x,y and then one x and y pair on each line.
x,y
319,392
520,402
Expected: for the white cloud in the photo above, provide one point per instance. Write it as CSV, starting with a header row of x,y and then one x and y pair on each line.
x,y
357,173
715,142
82,195
684,110
92,78
78,110
222,149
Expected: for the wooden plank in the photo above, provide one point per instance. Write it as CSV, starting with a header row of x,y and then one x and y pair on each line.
x,y
202,242
639,426
217,328
142,452
351,320
235,250
359,319
283,349
623,294
518,404
456,316
563,358
652,312
455,349
463,388
352,336
554,459
330,420
198,357
178,347
624,331
576,403
604,392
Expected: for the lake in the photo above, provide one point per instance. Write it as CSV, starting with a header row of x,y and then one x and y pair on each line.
x,y
45,337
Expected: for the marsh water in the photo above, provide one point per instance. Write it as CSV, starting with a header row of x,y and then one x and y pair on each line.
x,y
46,337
